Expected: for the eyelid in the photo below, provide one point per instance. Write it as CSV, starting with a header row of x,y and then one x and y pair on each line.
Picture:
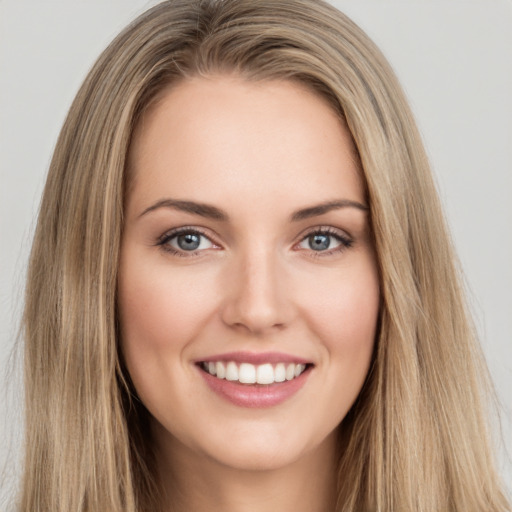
x,y
162,241
346,240
324,229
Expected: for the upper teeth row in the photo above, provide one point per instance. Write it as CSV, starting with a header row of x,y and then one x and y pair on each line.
x,y
247,373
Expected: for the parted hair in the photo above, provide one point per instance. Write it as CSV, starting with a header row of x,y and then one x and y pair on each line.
x,y
418,437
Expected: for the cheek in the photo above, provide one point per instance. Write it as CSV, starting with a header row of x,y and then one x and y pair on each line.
x,y
159,306
162,310
342,316
343,312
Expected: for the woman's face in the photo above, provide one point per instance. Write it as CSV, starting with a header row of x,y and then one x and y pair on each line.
x,y
248,287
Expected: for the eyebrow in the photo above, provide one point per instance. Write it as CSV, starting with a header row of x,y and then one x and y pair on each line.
x,y
212,212
202,209
321,209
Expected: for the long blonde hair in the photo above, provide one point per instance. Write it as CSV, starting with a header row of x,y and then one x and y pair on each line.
x,y
417,438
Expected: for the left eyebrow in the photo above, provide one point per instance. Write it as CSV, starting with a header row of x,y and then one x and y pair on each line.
x,y
321,209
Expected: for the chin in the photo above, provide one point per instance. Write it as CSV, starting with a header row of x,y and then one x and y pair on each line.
x,y
265,448
253,457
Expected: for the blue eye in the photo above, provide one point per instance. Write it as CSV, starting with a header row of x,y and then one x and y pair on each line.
x,y
188,241
319,242
325,241
185,241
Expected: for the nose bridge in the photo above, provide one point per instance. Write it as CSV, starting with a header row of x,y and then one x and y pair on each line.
x,y
257,300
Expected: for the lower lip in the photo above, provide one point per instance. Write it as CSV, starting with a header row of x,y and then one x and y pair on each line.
x,y
255,395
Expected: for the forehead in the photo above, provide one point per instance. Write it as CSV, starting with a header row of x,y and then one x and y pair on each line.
x,y
211,138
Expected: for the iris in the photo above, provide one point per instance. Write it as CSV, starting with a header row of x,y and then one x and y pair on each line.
x,y
189,241
319,242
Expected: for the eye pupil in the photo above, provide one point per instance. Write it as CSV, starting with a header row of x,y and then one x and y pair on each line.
x,y
189,241
319,242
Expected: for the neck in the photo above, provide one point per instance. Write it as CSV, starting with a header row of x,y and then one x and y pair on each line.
x,y
193,481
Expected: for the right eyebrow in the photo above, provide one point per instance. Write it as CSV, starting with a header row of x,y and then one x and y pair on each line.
x,y
202,209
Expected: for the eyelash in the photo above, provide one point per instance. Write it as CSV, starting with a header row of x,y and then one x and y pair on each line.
x,y
345,241
164,240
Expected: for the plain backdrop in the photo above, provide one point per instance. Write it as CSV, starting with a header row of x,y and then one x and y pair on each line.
x,y
454,59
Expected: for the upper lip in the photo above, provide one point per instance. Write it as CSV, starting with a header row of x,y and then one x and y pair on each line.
x,y
255,358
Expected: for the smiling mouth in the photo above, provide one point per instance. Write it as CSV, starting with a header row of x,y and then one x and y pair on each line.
x,y
247,373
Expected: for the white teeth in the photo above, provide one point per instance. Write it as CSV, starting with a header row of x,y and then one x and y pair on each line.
x,y
221,370
280,373
231,371
299,369
247,373
265,374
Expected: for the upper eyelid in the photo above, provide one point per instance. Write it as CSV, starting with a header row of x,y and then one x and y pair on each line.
x,y
325,229
186,229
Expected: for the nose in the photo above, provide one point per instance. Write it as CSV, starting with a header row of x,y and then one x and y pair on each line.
x,y
257,299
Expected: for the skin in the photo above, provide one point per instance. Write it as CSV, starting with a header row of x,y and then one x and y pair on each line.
x,y
258,151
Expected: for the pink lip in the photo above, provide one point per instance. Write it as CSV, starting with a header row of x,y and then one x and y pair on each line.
x,y
255,395
255,358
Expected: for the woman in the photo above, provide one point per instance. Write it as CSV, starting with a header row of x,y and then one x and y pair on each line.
x,y
241,292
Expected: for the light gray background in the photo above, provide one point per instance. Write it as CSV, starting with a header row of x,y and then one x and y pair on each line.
x,y
454,58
